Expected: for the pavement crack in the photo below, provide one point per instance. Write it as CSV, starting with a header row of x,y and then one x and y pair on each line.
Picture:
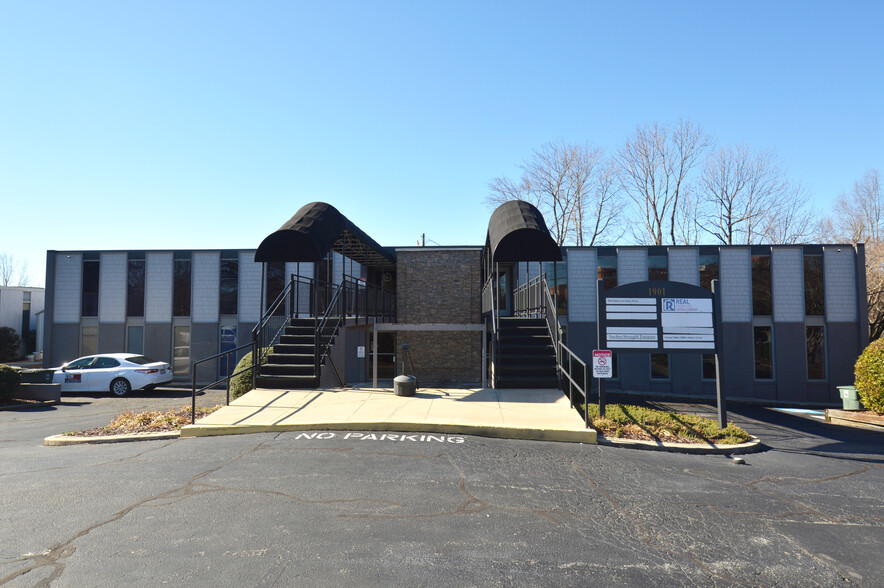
x,y
54,556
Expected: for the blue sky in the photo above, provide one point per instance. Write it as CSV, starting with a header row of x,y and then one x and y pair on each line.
x,y
147,125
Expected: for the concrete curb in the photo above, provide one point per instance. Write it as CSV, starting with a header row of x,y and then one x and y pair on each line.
x,y
568,436
752,446
30,405
61,440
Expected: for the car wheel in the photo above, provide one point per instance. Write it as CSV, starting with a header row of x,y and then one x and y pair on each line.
x,y
120,387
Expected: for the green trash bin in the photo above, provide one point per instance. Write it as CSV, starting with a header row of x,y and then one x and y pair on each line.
x,y
849,397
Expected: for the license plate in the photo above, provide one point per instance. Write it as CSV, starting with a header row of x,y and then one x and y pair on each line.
x,y
163,372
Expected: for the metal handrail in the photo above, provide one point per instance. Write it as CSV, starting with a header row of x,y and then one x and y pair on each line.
x,y
193,365
572,383
320,330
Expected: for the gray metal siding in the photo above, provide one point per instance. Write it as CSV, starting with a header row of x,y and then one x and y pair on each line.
x,y
64,344
111,338
158,341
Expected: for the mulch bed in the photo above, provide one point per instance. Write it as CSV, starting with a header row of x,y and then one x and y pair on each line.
x,y
130,423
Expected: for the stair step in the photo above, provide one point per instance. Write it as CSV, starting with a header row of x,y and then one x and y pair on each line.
x,y
526,382
287,382
291,358
286,369
293,349
297,339
519,370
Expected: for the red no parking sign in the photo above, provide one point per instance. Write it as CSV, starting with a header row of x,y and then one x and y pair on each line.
x,y
601,363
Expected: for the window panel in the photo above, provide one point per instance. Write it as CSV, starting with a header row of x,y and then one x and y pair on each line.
x,y
135,288
181,350
763,353
658,267
708,366
229,286
761,286
88,340
814,300
89,305
659,366
607,271
816,352
181,288
708,270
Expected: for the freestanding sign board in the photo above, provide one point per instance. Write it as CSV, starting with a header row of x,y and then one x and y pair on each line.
x,y
602,363
660,317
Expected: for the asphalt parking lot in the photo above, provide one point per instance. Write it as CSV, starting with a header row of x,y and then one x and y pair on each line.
x,y
346,508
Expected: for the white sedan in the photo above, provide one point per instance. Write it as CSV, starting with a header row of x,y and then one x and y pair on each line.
x,y
120,373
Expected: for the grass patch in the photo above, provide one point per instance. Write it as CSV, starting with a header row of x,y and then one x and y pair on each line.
x,y
153,421
636,422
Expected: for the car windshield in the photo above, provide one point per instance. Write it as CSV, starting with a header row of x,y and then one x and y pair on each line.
x,y
142,360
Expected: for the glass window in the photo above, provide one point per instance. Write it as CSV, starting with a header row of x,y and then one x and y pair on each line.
x,y
105,362
816,353
708,366
659,366
557,278
761,286
658,267
275,284
763,353
814,301
88,340
90,288
181,350
79,363
135,339
229,282
142,360
135,288
182,284
708,270
26,296
607,271
615,367
228,342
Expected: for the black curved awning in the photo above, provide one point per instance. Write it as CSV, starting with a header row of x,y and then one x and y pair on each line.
x,y
517,232
316,229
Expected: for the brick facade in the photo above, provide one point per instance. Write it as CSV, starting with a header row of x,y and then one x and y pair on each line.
x,y
440,286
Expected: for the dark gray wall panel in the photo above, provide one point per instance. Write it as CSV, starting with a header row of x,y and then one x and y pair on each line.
x,y
204,343
685,373
635,372
158,341
64,344
790,361
738,359
111,338
357,368
49,311
843,348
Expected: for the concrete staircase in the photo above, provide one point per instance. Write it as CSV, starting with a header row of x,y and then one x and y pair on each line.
x,y
526,357
291,365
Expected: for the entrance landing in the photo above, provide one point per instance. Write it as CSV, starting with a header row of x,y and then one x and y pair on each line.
x,y
544,415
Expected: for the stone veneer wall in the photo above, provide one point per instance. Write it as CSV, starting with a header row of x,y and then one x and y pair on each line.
x,y
440,286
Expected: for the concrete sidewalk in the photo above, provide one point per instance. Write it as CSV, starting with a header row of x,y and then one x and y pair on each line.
x,y
511,414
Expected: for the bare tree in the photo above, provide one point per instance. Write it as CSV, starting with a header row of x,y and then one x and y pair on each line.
x,y
859,218
13,272
572,188
654,167
746,198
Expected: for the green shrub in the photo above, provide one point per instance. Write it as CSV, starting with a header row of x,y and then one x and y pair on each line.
x,y
869,372
10,344
242,383
9,382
